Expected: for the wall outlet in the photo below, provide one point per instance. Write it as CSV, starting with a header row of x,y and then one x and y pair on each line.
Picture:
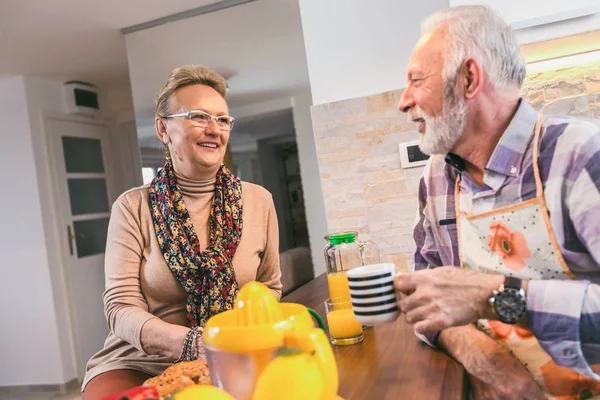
x,y
411,156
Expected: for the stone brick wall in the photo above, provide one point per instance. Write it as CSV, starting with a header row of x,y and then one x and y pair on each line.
x,y
364,187
571,91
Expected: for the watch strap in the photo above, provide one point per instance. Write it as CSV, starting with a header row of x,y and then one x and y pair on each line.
x,y
512,282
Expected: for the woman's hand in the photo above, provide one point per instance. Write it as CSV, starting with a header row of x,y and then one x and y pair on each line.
x,y
162,338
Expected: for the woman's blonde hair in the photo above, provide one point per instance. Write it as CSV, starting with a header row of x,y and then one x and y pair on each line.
x,y
185,76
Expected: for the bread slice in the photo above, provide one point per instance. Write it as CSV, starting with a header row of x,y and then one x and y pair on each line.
x,y
179,376
195,370
167,385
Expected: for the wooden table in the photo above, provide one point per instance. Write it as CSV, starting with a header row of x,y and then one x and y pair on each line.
x,y
390,363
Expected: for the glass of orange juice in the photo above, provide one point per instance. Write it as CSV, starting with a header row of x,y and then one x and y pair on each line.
x,y
344,329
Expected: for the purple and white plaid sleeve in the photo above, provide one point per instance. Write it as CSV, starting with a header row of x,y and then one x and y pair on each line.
x,y
421,233
565,315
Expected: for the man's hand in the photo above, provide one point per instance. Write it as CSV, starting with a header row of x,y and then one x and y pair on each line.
x,y
494,372
446,296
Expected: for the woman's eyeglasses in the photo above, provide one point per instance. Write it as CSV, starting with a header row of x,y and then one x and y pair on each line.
x,y
202,119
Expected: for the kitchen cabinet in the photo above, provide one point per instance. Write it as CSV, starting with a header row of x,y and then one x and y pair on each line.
x,y
538,20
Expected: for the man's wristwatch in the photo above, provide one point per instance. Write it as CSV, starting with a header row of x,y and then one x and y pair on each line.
x,y
509,302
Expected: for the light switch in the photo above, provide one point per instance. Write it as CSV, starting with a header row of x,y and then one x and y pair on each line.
x,y
411,156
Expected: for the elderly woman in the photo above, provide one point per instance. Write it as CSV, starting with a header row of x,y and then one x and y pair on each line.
x,y
179,248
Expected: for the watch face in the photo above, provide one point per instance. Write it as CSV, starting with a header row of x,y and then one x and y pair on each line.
x,y
510,305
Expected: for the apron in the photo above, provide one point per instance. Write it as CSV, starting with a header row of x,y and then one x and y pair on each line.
x,y
518,240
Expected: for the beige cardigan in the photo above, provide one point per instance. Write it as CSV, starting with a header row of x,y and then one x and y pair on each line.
x,y
140,285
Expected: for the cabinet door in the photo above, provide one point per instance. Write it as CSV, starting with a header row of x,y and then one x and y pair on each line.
x,y
524,14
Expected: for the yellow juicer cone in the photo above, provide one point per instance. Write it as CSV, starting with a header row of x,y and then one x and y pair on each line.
x,y
258,326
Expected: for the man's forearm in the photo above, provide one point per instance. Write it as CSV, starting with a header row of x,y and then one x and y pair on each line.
x,y
457,340
496,372
469,346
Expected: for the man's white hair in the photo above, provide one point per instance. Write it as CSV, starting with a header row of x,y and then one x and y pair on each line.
x,y
478,32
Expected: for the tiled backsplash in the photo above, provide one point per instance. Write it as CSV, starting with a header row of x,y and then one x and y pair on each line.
x,y
364,186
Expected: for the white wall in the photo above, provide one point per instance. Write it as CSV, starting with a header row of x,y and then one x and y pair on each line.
x,y
116,104
126,151
45,99
355,48
257,46
559,29
309,165
39,348
30,339
247,165
311,178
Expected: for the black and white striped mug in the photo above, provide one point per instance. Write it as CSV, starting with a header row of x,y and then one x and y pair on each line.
x,y
372,293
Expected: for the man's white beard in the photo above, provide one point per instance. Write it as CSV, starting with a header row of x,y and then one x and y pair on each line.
x,y
442,133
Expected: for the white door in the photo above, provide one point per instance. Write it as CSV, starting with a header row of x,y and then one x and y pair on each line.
x,y
80,158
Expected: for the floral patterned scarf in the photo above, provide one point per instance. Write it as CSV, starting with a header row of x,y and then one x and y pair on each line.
x,y
206,275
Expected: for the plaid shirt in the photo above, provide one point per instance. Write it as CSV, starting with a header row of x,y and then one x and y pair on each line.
x,y
563,315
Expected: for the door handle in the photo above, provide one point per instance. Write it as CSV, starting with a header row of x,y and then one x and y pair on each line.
x,y
70,238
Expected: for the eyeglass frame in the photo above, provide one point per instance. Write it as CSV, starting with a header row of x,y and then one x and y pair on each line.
x,y
188,114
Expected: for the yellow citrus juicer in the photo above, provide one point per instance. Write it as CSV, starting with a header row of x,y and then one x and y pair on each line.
x,y
241,342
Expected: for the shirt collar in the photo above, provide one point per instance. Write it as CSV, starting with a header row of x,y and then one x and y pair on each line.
x,y
510,150
455,161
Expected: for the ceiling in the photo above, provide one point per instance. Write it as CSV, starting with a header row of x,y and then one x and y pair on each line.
x,y
75,39
258,46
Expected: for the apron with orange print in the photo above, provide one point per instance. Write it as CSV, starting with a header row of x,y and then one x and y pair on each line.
x,y
518,240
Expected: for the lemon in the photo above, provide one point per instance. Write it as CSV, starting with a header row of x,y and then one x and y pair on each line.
x,y
294,376
202,392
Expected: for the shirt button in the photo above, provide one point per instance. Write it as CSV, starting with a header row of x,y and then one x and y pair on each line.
x,y
513,170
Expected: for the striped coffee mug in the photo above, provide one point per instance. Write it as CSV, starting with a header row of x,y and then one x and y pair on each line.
x,y
372,293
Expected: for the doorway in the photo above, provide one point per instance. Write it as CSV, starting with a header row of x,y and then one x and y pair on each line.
x,y
79,157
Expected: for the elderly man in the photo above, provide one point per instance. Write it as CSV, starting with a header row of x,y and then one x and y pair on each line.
x,y
512,197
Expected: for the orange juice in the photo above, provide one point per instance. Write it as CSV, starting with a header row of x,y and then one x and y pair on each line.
x,y
343,324
338,286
